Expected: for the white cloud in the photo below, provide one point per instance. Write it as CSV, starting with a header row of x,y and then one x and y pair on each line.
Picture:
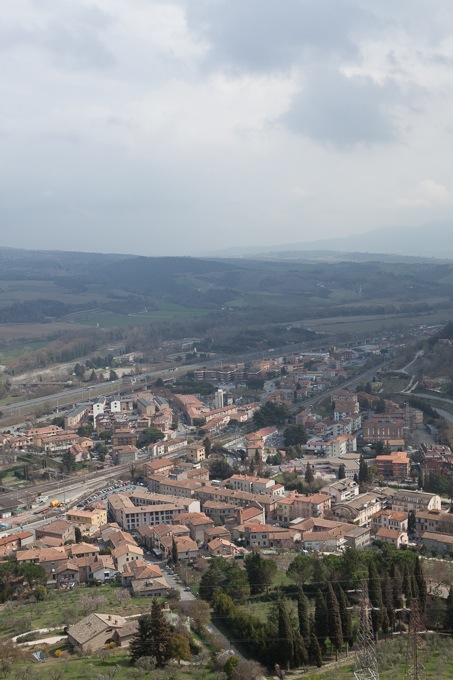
x,y
173,126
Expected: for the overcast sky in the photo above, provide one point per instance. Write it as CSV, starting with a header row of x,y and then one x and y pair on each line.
x,y
184,126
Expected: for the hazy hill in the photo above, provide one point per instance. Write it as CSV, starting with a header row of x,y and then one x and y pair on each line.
x,y
432,240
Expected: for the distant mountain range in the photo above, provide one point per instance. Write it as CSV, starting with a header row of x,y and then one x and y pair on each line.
x,y
427,241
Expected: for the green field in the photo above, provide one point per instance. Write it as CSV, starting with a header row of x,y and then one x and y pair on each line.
x,y
103,319
61,608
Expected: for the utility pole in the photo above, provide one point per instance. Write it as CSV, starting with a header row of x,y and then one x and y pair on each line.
x,y
366,667
414,664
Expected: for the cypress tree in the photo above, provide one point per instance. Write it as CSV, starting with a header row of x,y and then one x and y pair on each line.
x,y
309,476
285,635
345,615
397,588
407,587
414,587
314,650
375,595
388,597
421,583
303,615
448,620
174,551
300,651
334,619
321,619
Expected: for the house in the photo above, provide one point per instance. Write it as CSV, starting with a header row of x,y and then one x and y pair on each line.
x,y
224,548
358,538
438,543
84,550
103,569
94,631
10,544
186,547
389,519
196,522
331,541
126,553
359,510
341,491
435,521
60,530
393,536
88,518
157,587
67,575
407,501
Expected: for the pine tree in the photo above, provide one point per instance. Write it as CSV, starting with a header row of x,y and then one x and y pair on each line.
x,y
375,594
345,615
421,583
140,643
321,616
159,634
303,615
334,619
285,636
314,650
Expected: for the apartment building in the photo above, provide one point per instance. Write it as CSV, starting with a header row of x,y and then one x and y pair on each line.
x,y
416,501
394,466
342,491
134,509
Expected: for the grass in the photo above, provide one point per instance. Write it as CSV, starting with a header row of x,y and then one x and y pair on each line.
x,y
61,607
105,664
103,319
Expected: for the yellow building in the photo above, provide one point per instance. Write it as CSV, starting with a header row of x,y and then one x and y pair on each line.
x,y
90,518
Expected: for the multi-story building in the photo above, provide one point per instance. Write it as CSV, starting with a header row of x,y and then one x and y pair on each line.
x,y
395,466
382,428
359,510
136,508
407,501
342,491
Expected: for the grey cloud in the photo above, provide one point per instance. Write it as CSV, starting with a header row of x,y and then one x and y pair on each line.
x,y
74,41
270,34
334,109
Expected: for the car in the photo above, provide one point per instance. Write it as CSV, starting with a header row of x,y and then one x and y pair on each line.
x,y
187,589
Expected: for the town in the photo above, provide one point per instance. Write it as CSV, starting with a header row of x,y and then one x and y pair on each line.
x,y
246,490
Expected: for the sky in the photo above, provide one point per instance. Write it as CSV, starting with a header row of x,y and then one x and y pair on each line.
x,y
188,126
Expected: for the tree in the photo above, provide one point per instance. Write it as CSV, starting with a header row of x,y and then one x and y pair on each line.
x,y
421,583
321,619
260,572
178,647
285,635
411,522
303,615
334,619
309,476
140,643
207,445
300,650
150,435
314,650
40,593
226,576
375,595
397,587
68,461
388,598
159,634
219,468
271,414
174,551
113,375
342,471
345,615
78,535
294,435
230,665
198,612
407,584
448,619
301,568
363,471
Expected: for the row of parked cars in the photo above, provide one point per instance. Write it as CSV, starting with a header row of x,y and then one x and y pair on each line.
x,y
103,493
